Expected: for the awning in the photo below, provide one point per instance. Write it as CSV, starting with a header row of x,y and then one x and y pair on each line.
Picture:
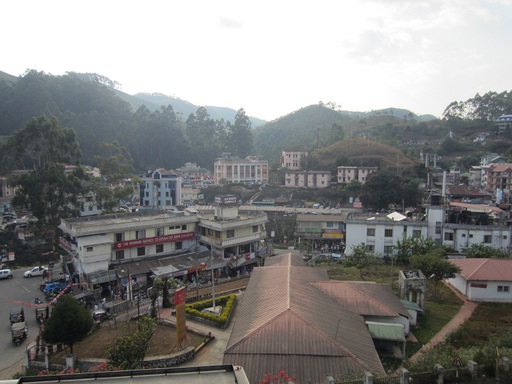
x,y
386,331
101,277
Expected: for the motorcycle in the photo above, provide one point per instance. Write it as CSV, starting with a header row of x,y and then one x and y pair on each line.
x,y
19,332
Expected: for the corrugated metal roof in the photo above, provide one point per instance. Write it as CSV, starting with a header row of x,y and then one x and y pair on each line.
x,y
284,322
284,260
386,331
364,298
485,269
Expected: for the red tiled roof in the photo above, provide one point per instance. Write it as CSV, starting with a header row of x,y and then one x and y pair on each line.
x,y
364,298
284,322
485,269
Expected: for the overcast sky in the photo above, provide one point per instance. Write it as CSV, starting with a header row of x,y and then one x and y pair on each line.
x,y
272,57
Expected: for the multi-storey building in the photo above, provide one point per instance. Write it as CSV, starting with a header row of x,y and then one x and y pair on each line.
x,y
293,159
229,169
139,245
97,244
499,180
458,226
348,173
193,176
232,236
161,189
504,122
307,179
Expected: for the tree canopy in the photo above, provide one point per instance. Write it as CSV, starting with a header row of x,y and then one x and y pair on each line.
x,y
69,323
44,149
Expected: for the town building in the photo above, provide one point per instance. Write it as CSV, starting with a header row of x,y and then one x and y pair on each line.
x,y
194,176
307,179
286,323
230,169
160,189
503,123
499,181
190,196
233,236
322,230
458,225
346,174
484,280
97,244
113,249
293,159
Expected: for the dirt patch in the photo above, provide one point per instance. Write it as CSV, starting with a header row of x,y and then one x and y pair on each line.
x,y
95,346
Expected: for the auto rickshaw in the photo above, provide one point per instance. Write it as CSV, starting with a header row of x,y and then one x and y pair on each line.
x,y
19,332
42,313
17,314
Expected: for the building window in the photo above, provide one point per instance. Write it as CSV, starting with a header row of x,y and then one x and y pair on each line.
x,y
230,233
388,233
487,239
89,249
159,248
178,245
254,228
448,236
329,224
141,251
463,235
370,232
217,234
503,288
416,233
120,255
438,227
184,227
140,234
388,249
159,232
370,248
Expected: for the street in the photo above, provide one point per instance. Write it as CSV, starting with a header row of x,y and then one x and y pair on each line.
x,y
15,292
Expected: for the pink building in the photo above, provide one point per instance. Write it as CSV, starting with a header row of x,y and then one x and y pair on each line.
x,y
292,159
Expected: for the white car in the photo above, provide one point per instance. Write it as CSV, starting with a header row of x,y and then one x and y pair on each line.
x,y
36,271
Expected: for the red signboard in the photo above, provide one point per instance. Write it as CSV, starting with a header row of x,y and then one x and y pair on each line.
x,y
154,240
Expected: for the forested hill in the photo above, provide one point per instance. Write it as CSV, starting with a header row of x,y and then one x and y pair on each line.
x,y
318,126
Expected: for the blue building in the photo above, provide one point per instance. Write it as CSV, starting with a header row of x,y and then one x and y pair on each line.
x,y
161,189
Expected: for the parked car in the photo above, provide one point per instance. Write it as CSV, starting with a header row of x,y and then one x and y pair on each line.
x,y
36,271
5,274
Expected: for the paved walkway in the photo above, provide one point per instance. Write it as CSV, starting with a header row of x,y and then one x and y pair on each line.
x,y
464,313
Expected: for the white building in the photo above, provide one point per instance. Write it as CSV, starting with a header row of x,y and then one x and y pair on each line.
x,y
346,174
235,170
293,159
459,226
234,237
484,280
307,179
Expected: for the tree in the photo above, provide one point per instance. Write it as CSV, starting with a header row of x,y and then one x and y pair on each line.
x,y
116,166
240,136
483,251
412,246
47,190
436,267
128,352
69,323
362,258
380,190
